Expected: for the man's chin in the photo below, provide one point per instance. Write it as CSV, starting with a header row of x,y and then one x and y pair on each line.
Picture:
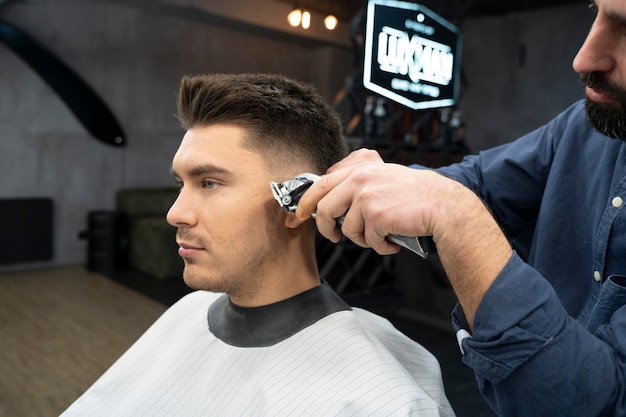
x,y
199,279
190,282
192,277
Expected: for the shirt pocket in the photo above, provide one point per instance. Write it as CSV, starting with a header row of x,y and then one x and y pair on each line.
x,y
612,296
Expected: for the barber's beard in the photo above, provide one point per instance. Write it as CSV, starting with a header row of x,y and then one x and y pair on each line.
x,y
607,118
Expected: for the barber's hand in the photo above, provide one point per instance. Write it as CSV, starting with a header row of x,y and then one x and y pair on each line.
x,y
360,156
309,201
379,199
376,199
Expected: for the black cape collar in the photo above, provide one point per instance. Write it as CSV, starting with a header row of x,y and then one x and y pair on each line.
x,y
267,325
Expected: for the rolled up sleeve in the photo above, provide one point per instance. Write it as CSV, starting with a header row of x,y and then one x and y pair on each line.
x,y
532,359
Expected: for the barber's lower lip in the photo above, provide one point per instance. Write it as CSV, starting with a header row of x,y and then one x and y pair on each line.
x,y
598,96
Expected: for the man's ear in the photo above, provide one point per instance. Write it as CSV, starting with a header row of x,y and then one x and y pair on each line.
x,y
292,221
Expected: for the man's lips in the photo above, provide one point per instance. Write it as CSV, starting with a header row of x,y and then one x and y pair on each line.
x,y
598,96
186,250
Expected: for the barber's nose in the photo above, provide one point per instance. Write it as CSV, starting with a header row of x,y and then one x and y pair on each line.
x,y
597,52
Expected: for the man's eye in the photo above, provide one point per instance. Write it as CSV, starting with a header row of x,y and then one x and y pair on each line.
x,y
208,184
593,6
178,184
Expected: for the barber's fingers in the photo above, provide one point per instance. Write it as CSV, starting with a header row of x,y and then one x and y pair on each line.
x,y
330,198
373,208
356,157
354,193
347,199
366,234
308,202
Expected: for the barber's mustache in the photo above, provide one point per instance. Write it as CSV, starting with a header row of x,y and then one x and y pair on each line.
x,y
598,81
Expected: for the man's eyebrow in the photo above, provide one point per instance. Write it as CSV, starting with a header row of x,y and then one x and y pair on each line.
x,y
201,170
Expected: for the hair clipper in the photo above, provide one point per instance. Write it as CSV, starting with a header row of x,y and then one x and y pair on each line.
x,y
288,194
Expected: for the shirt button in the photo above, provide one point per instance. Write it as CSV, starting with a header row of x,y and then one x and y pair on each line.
x,y
597,276
617,202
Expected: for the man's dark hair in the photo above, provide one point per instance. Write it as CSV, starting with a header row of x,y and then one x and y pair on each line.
x,y
285,118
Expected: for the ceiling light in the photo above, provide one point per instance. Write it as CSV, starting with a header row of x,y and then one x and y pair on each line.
x,y
295,17
306,19
330,22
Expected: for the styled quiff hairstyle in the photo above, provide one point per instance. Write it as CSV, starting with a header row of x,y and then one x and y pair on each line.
x,y
286,120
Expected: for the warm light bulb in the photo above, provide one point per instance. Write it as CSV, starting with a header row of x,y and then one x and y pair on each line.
x,y
330,22
294,17
306,20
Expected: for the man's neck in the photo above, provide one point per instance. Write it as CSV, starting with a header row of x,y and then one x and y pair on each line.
x,y
274,290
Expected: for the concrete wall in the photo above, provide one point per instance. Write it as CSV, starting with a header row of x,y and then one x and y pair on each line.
x,y
133,53
133,56
518,71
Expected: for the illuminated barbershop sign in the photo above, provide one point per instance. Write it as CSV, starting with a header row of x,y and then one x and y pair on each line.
x,y
412,55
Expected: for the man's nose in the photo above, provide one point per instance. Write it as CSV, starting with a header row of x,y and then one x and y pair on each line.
x,y
181,214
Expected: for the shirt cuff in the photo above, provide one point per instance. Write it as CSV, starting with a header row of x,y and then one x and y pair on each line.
x,y
519,314
461,335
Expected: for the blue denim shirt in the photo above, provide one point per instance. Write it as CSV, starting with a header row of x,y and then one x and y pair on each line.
x,y
550,335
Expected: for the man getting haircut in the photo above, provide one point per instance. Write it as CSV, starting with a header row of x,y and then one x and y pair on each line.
x,y
262,335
